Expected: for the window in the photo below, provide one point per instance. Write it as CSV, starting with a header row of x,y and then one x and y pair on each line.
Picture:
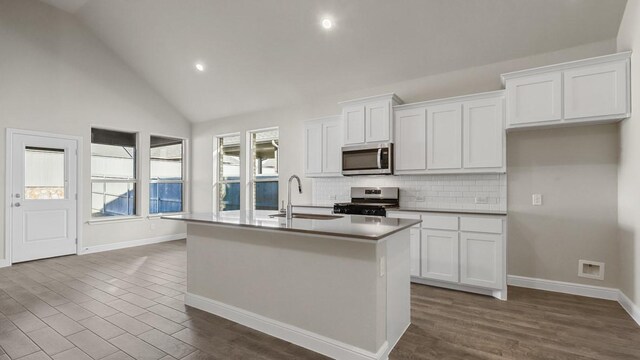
x,y
44,171
228,176
113,173
264,169
166,186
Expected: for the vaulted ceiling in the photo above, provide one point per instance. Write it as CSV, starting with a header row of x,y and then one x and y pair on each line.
x,y
267,53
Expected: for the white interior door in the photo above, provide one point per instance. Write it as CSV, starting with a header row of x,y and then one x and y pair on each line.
x,y
43,197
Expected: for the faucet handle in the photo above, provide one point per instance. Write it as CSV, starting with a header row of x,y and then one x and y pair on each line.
x,y
282,208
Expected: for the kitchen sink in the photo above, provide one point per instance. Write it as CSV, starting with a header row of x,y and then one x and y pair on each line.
x,y
309,216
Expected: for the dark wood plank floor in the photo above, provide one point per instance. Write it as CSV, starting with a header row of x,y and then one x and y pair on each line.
x,y
129,304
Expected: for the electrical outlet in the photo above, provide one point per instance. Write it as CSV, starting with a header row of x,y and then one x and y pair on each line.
x,y
420,198
332,197
536,199
482,200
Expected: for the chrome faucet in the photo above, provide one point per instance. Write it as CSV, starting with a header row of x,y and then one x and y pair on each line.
x,y
289,206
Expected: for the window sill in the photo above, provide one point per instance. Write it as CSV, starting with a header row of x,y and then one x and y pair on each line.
x,y
158,216
115,219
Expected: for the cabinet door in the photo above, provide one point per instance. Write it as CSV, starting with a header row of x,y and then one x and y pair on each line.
x,y
332,147
444,137
483,139
415,251
312,146
378,122
439,260
481,260
353,118
598,90
535,99
411,139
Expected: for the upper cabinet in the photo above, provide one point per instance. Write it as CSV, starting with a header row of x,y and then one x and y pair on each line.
x,y
451,136
410,128
323,143
369,120
584,91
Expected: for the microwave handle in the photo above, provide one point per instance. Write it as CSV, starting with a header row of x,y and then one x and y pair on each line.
x,y
380,158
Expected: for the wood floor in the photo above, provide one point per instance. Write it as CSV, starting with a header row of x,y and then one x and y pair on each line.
x,y
129,304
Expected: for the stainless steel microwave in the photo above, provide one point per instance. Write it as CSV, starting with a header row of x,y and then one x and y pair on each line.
x,y
375,159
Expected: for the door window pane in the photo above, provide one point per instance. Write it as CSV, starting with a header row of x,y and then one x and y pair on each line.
x,y
44,172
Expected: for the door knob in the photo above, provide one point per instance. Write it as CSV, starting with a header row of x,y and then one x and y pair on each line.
x,y
16,204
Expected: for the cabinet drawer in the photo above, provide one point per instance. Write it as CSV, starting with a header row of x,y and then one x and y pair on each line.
x,y
485,225
440,222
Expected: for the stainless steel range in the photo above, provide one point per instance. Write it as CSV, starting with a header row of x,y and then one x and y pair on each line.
x,y
370,201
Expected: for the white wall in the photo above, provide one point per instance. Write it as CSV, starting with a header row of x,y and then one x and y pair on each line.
x,y
575,170
629,168
58,77
467,81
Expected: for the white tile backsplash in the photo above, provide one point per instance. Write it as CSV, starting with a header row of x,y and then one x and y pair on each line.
x,y
423,191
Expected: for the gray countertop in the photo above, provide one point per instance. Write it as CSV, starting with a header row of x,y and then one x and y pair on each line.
x,y
426,210
359,227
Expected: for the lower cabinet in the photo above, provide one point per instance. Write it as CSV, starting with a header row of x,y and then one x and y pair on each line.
x,y
481,260
439,255
462,252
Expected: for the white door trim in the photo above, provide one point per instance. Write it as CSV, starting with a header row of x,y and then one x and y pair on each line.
x,y
9,185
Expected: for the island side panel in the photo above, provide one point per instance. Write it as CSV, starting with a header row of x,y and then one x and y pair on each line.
x,y
398,285
328,286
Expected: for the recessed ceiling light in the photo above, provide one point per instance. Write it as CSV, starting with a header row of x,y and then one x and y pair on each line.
x,y
327,23
199,66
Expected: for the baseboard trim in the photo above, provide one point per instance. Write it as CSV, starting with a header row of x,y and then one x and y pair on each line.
x,y
498,294
307,339
4,263
131,243
597,292
630,307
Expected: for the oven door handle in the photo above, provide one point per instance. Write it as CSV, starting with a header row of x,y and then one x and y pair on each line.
x,y
380,158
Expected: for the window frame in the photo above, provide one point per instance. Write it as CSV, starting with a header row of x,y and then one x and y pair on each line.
x,y
217,181
251,179
136,181
184,181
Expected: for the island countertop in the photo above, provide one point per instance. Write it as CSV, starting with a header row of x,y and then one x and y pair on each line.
x,y
357,227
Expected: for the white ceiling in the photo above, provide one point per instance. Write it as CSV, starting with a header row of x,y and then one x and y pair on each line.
x,y
267,53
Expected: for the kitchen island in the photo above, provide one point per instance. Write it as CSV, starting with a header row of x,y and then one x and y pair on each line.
x,y
335,285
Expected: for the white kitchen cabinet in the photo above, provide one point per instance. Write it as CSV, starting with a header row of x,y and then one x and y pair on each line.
x,y
481,260
369,120
332,147
313,142
597,90
354,124
439,255
483,134
410,146
322,149
535,99
378,122
464,134
594,90
444,137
